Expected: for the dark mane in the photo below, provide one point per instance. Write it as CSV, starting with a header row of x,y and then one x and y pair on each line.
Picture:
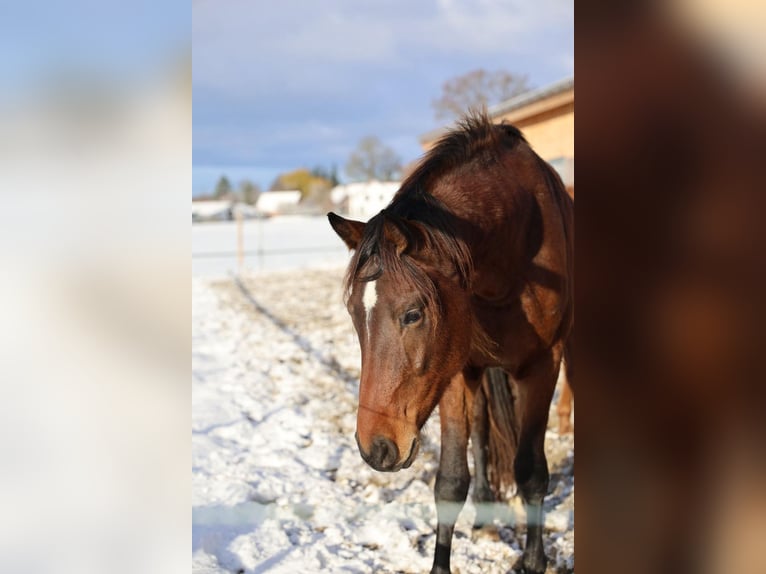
x,y
475,138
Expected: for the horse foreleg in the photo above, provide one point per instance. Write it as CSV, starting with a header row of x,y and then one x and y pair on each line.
x,y
531,467
452,479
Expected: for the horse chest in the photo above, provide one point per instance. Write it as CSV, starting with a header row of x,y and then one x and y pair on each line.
x,y
521,327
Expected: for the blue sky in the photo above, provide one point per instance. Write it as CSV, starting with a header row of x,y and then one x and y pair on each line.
x,y
297,83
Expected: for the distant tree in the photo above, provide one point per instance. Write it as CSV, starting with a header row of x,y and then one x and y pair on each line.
x,y
223,188
477,89
330,175
373,160
334,179
307,182
249,191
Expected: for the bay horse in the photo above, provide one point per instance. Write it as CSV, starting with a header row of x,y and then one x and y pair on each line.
x,y
464,280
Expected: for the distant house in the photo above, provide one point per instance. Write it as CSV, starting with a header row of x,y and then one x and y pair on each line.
x,y
545,116
364,199
277,202
212,210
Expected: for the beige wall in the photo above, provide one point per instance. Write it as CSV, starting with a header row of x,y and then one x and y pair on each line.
x,y
551,134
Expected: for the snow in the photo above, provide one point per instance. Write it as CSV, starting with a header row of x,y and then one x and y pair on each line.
x,y
278,483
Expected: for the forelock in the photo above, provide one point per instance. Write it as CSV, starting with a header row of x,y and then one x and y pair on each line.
x,y
376,256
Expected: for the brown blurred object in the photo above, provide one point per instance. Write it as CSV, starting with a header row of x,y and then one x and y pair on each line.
x,y
564,408
564,403
670,141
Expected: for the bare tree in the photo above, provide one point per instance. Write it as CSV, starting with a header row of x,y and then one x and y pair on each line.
x,y
477,89
373,160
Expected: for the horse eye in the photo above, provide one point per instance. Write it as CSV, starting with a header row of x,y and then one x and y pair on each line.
x,y
411,317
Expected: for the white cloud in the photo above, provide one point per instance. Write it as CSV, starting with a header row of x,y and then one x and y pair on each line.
x,y
311,78
489,25
292,43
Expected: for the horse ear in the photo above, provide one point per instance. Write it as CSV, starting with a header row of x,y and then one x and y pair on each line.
x,y
397,235
410,237
348,230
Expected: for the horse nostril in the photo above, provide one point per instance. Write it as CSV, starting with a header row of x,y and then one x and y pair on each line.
x,y
384,454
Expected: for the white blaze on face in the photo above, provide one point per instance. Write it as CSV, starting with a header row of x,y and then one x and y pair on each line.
x,y
369,298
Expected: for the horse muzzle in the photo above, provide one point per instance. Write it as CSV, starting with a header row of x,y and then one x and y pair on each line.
x,y
383,454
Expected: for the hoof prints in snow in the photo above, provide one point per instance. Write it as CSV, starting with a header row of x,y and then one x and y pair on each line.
x,y
278,484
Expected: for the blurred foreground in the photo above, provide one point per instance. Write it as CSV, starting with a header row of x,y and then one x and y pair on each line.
x,y
671,274
95,157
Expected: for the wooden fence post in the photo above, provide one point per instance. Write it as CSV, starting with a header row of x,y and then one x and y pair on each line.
x,y
240,243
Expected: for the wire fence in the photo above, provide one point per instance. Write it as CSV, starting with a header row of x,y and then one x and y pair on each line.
x,y
265,252
290,242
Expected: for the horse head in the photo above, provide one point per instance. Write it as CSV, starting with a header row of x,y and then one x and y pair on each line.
x,y
411,312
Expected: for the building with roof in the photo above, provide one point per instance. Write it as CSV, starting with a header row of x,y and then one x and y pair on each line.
x,y
212,210
277,202
545,116
364,199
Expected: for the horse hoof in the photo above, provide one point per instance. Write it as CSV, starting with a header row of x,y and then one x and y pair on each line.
x,y
530,565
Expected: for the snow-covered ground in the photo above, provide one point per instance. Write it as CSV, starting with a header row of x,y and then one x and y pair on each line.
x,y
278,483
